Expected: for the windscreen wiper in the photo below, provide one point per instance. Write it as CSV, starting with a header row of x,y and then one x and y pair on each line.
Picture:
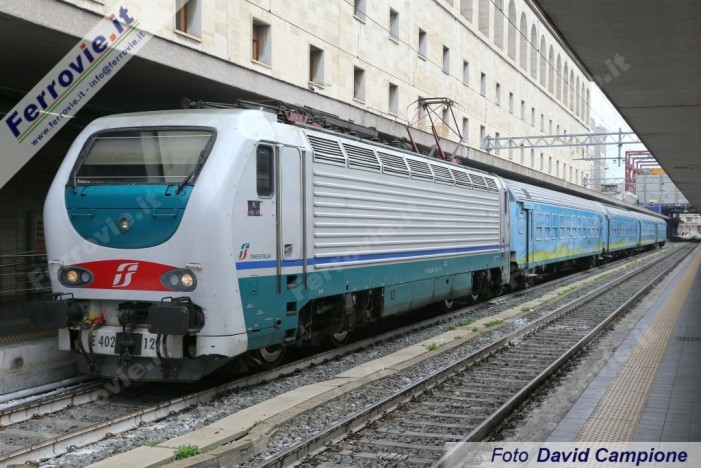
x,y
187,179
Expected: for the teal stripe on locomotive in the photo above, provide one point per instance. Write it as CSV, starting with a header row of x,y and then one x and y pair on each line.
x,y
268,316
154,213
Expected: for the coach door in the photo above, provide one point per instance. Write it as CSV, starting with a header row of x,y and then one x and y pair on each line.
x,y
290,214
528,208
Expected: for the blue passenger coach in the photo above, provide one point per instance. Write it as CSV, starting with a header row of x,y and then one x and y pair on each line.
x,y
653,231
622,233
551,230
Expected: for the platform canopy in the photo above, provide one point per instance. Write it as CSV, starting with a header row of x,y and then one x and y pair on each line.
x,y
646,57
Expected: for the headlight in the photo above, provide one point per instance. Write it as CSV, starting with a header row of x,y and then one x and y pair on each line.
x,y
123,223
179,280
74,277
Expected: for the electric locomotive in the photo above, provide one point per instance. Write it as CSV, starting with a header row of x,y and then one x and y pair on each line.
x,y
180,240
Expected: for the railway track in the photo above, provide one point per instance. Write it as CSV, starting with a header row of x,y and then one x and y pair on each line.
x,y
466,400
58,424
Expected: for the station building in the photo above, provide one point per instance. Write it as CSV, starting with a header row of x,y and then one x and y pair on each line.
x,y
369,61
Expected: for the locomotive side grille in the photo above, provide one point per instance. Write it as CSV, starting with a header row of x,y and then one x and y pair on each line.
x,y
478,182
327,151
420,170
491,184
361,158
392,164
461,179
443,175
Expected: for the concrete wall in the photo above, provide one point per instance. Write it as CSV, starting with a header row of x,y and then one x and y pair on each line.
x,y
553,102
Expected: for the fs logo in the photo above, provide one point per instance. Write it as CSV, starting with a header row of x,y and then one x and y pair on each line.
x,y
244,251
124,273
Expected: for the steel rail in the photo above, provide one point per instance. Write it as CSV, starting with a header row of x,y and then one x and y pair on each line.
x,y
357,421
491,422
64,443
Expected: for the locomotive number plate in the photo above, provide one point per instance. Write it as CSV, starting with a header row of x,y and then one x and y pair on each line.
x,y
115,343
122,343
111,340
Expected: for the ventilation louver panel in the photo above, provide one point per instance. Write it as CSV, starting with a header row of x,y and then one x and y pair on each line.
x,y
442,174
420,169
327,151
478,182
392,164
461,178
491,184
361,158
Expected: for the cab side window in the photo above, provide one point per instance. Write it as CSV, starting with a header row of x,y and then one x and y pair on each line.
x,y
264,171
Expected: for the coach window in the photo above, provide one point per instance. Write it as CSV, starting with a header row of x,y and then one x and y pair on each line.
x,y
521,222
264,171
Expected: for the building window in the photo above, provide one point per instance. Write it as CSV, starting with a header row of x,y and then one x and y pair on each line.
x,y
260,47
496,143
188,17
541,162
466,72
550,126
393,98
532,157
511,102
557,132
446,60
358,84
359,9
483,135
316,65
483,84
532,116
422,43
465,128
523,110
542,122
550,164
393,25
497,94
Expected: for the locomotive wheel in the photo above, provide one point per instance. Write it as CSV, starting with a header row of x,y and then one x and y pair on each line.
x,y
336,340
447,305
268,357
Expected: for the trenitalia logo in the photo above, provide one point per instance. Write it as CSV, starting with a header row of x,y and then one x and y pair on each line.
x,y
244,251
92,54
128,270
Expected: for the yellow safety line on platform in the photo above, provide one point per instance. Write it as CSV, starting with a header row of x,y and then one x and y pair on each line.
x,y
26,336
617,415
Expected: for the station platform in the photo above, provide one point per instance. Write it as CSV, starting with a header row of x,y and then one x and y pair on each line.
x,y
29,357
650,389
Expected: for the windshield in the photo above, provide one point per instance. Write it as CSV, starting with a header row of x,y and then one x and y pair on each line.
x,y
149,156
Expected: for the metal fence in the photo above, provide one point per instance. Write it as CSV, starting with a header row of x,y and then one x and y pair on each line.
x,y
23,274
